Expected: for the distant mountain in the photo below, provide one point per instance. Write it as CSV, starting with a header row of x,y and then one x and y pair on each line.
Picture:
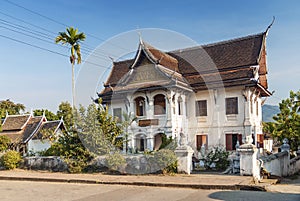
x,y
268,111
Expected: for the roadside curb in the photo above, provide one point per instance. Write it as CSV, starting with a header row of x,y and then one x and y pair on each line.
x,y
151,184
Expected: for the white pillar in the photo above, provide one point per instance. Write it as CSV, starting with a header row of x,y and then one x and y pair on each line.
x,y
150,109
184,156
150,143
249,164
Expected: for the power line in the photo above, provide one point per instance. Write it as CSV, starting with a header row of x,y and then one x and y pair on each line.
x,y
36,13
45,49
84,46
42,35
38,38
57,22
25,28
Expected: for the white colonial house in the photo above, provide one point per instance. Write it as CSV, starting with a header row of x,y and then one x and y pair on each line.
x,y
211,93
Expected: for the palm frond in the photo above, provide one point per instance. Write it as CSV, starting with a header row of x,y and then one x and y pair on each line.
x,y
72,38
78,53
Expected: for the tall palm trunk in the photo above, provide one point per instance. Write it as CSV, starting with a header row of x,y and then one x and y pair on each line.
x,y
73,86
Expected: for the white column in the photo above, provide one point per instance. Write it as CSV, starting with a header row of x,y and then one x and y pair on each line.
x,y
150,109
131,107
150,143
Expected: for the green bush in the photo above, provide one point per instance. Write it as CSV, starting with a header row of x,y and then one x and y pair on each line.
x,y
216,155
115,161
166,160
4,143
75,165
11,159
70,148
168,143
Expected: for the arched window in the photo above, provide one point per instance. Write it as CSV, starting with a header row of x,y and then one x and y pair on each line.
x,y
140,106
159,104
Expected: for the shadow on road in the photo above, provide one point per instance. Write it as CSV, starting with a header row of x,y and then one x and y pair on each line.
x,y
253,196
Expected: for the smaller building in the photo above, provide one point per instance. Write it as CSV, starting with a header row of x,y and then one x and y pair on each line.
x,y
28,133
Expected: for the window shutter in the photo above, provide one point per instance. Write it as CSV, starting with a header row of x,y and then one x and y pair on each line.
x,y
228,142
240,139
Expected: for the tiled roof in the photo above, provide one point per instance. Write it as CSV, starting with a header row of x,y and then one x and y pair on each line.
x,y
15,122
119,70
220,56
225,63
162,58
15,136
50,125
31,129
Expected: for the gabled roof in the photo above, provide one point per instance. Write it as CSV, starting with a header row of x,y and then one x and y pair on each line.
x,y
162,66
21,132
15,122
223,64
32,127
50,125
159,57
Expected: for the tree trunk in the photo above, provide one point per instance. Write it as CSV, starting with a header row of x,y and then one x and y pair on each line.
x,y
73,86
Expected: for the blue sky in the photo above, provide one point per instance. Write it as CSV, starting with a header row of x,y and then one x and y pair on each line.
x,y
41,79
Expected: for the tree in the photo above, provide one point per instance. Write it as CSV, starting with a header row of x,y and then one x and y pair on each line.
x,y
50,116
98,129
65,111
8,106
128,119
95,133
5,142
72,38
70,147
287,122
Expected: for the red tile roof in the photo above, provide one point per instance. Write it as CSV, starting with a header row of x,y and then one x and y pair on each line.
x,y
226,63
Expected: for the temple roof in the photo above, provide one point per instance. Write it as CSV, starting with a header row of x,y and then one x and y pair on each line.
x,y
32,126
50,125
21,128
228,63
15,122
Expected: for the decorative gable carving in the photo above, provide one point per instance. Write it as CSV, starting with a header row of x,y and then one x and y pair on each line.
x,y
146,73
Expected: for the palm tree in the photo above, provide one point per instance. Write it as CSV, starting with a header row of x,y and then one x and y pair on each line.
x,y
72,38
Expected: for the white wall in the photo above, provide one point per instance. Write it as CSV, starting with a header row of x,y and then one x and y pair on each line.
x,y
38,145
216,124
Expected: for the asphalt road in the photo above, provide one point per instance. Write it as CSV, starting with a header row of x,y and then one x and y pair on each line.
x,y
25,190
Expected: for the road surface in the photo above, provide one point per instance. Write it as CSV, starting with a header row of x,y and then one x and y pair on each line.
x,y
26,190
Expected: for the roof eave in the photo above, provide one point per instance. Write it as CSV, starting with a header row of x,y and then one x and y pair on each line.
x,y
266,92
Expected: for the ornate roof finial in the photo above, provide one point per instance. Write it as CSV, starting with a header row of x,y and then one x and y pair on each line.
x,y
140,37
268,28
112,59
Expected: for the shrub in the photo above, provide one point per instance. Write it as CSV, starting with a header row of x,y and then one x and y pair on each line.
x,y
70,148
75,165
4,143
11,159
166,160
115,161
218,156
168,143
